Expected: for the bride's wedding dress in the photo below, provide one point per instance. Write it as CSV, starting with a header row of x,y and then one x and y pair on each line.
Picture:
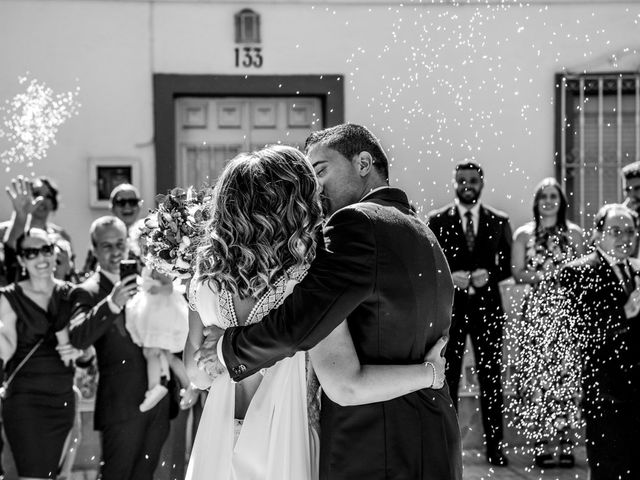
x,y
274,442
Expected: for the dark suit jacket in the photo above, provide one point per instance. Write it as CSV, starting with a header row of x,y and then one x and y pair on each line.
x,y
492,248
383,270
608,340
123,370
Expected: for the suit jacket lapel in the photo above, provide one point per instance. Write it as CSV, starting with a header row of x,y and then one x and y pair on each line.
x,y
483,223
633,270
608,275
104,285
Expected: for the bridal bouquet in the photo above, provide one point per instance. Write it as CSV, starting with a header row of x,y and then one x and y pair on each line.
x,y
169,235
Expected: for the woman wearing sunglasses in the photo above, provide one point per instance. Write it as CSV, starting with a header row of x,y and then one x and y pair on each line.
x,y
34,201
39,404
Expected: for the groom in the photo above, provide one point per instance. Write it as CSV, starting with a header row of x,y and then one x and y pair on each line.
x,y
383,270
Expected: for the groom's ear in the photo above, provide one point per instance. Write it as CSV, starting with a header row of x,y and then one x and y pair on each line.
x,y
364,163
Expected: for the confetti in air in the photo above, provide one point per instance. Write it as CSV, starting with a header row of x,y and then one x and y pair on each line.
x,y
31,119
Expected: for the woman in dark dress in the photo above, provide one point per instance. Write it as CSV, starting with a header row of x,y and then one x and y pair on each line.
x,y
39,404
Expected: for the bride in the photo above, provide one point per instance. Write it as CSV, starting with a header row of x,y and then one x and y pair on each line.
x,y
259,242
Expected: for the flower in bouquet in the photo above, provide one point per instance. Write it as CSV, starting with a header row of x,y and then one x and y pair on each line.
x,y
169,235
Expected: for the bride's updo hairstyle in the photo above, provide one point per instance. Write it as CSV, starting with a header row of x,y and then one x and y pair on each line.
x,y
264,213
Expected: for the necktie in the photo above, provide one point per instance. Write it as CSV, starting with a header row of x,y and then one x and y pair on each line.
x,y
626,278
468,233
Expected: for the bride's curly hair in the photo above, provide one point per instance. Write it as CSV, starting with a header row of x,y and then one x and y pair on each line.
x,y
264,215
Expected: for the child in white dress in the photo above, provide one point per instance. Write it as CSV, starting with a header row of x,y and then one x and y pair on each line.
x,y
157,320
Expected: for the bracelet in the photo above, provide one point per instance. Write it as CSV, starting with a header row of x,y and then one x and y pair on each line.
x,y
435,375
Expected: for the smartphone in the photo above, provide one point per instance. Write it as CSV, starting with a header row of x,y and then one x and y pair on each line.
x,y
128,267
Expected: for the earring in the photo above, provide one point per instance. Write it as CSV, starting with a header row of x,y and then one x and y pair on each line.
x,y
23,271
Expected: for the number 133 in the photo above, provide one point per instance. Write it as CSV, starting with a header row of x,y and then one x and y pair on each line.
x,y
249,57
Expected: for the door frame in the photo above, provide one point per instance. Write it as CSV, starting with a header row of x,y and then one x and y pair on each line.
x,y
168,87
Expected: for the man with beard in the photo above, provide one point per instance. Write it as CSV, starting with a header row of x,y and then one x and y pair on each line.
x,y
476,240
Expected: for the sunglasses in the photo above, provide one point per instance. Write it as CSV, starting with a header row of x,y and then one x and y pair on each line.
x,y
124,202
31,253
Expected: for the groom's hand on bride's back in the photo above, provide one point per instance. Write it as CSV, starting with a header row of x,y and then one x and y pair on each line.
x,y
436,356
206,356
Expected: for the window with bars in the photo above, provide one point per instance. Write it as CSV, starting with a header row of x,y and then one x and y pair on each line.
x,y
597,133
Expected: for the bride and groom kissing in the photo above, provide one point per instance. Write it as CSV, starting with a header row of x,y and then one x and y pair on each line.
x,y
368,296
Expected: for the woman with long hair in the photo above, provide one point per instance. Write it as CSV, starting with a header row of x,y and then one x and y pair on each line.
x,y
546,377
39,403
261,237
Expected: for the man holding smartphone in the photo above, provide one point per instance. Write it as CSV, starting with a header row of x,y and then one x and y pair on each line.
x,y
131,441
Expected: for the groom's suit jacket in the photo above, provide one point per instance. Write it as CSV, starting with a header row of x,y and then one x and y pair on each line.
x,y
382,269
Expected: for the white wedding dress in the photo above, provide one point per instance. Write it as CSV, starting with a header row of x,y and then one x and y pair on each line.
x,y
275,441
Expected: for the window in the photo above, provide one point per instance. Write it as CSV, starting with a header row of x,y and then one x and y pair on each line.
x,y
247,26
597,133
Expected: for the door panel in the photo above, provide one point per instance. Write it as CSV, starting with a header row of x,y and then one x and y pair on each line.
x,y
211,131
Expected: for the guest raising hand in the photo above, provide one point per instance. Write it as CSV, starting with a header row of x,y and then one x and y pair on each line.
x,y
33,203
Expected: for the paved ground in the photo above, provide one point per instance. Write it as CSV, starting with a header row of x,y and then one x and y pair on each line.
x,y
475,468
520,467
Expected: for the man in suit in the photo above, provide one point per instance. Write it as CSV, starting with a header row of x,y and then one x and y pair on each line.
x,y
631,176
383,270
131,441
631,182
476,240
603,291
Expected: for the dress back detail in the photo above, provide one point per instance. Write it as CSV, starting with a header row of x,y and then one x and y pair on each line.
x,y
274,441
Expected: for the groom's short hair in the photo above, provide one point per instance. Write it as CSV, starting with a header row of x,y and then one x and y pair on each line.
x,y
350,139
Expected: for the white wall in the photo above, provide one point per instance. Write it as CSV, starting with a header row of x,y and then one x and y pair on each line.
x,y
437,83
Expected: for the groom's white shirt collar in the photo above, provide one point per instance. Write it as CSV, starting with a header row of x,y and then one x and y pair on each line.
x,y
373,190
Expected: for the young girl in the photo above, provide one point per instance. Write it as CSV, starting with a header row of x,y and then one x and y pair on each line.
x,y
156,318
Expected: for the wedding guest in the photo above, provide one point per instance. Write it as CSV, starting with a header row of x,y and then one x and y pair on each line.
x,y
603,294
125,203
157,320
33,203
631,176
476,240
39,407
547,373
131,441
65,268
631,182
